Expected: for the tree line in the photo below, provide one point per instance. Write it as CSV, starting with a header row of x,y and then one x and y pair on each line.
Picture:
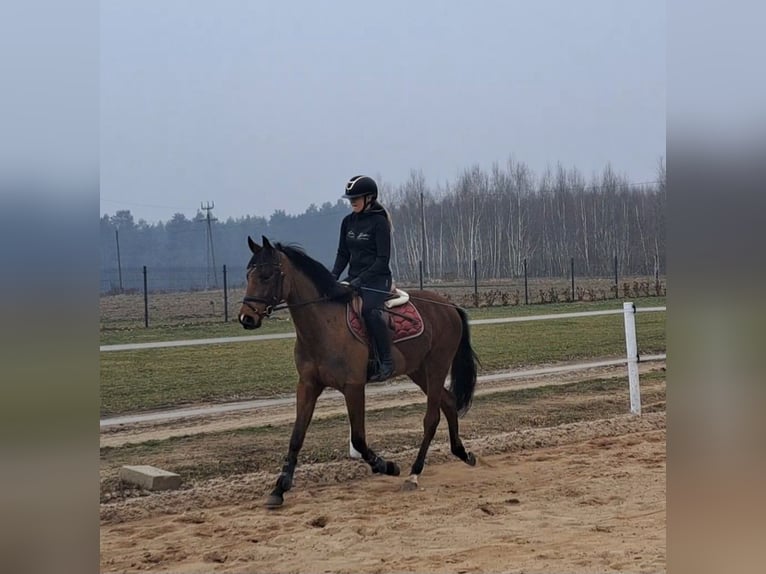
x,y
497,217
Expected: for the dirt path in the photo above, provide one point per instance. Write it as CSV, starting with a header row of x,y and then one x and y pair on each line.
x,y
331,404
580,497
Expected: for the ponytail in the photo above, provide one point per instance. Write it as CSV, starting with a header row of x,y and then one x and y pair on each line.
x,y
377,204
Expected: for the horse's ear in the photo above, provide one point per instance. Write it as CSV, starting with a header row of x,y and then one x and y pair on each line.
x,y
254,247
266,244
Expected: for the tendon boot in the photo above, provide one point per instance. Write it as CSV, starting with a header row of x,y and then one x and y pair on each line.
x,y
376,327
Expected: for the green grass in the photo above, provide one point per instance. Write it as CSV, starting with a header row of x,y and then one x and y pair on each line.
x,y
169,377
149,379
513,345
280,324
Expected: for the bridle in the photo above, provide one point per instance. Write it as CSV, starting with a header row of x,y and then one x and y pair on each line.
x,y
276,301
272,303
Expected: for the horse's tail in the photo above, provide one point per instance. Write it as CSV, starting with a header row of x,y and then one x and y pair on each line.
x,y
464,368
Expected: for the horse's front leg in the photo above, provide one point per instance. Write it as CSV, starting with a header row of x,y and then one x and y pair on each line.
x,y
306,398
354,395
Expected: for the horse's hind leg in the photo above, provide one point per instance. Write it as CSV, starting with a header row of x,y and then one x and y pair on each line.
x,y
306,398
434,385
449,407
354,395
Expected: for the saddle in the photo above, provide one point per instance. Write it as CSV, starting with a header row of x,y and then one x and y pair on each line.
x,y
403,318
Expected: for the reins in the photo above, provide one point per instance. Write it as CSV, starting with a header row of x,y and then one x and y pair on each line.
x,y
270,308
279,305
276,303
415,298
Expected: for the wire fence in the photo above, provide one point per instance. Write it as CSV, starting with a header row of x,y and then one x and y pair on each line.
x,y
175,296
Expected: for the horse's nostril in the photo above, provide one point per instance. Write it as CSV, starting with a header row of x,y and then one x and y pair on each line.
x,y
248,322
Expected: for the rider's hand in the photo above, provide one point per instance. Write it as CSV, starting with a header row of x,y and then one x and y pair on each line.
x,y
355,283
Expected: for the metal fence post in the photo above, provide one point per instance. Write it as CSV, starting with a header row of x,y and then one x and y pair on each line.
x,y
526,287
146,301
420,266
571,265
475,280
225,297
616,284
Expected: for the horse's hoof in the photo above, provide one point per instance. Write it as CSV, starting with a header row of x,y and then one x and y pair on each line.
x,y
284,481
470,460
392,469
274,501
409,485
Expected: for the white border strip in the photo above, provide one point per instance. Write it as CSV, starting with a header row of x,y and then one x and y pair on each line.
x,y
222,340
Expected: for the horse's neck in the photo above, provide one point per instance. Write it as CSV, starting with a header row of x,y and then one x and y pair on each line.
x,y
306,309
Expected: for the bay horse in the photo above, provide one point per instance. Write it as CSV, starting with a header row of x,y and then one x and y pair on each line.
x,y
328,355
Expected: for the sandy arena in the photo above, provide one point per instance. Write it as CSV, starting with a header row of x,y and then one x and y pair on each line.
x,y
581,496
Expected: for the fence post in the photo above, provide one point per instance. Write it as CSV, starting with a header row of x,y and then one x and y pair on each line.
x,y
616,284
475,280
225,297
571,266
420,266
146,302
629,312
119,263
526,288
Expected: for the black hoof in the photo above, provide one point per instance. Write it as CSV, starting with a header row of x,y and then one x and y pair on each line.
x,y
274,501
392,469
284,481
470,460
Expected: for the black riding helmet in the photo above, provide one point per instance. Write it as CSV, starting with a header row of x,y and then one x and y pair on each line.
x,y
361,185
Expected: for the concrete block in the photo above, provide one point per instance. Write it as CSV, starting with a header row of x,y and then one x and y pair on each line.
x,y
150,477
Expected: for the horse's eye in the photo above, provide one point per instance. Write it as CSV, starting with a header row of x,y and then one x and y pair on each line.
x,y
265,274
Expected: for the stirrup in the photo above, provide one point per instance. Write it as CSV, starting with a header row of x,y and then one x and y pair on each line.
x,y
385,372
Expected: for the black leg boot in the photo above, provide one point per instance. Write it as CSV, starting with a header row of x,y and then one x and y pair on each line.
x,y
376,326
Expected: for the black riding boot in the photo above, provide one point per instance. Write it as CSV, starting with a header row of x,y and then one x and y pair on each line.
x,y
376,327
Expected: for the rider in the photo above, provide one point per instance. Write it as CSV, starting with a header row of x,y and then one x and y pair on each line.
x,y
365,245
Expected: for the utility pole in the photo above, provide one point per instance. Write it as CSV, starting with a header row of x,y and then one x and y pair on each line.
x,y
423,235
210,252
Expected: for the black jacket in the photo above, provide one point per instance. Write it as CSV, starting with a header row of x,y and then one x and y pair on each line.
x,y
364,245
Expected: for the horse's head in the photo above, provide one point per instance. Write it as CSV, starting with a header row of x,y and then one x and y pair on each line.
x,y
265,284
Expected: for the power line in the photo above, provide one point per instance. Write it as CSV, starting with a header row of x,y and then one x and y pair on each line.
x,y
134,203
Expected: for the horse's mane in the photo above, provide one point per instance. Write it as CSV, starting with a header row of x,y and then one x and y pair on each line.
x,y
317,273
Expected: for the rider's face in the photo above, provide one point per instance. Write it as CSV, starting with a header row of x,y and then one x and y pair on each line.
x,y
357,204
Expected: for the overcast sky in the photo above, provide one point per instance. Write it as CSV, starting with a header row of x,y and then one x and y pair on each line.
x,y
259,106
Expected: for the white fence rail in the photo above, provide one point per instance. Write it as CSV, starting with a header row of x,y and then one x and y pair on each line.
x,y
291,335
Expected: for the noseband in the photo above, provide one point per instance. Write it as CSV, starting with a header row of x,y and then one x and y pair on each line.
x,y
272,302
